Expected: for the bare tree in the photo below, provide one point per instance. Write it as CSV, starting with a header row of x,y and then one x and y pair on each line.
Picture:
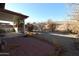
x,y
51,25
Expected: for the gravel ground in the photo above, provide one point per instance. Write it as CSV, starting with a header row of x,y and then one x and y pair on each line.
x,y
67,43
30,46
27,46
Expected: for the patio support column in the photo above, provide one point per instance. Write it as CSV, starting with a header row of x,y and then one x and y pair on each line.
x,y
24,26
16,27
15,24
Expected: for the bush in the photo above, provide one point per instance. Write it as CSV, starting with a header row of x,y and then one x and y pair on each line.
x,y
12,30
30,27
2,31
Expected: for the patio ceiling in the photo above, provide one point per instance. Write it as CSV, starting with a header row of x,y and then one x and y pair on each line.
x,y
7,15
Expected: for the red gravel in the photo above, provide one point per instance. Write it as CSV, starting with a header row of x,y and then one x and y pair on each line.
x,y
29,47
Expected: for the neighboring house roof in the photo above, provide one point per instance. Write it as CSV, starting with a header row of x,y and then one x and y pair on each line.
x,y
5,25
14,13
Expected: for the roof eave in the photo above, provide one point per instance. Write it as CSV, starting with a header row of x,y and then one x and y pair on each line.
x,y
14,13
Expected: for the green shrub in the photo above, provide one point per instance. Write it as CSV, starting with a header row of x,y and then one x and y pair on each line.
x,y
2,31
12,30
30,27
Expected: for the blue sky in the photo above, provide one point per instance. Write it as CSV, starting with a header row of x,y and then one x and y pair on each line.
x,y
40,12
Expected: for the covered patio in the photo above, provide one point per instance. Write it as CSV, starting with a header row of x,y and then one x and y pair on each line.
x,y
16,18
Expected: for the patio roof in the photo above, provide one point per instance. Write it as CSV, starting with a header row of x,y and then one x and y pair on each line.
x,y
13,13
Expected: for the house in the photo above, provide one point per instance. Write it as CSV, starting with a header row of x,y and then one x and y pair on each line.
x,y
6,26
